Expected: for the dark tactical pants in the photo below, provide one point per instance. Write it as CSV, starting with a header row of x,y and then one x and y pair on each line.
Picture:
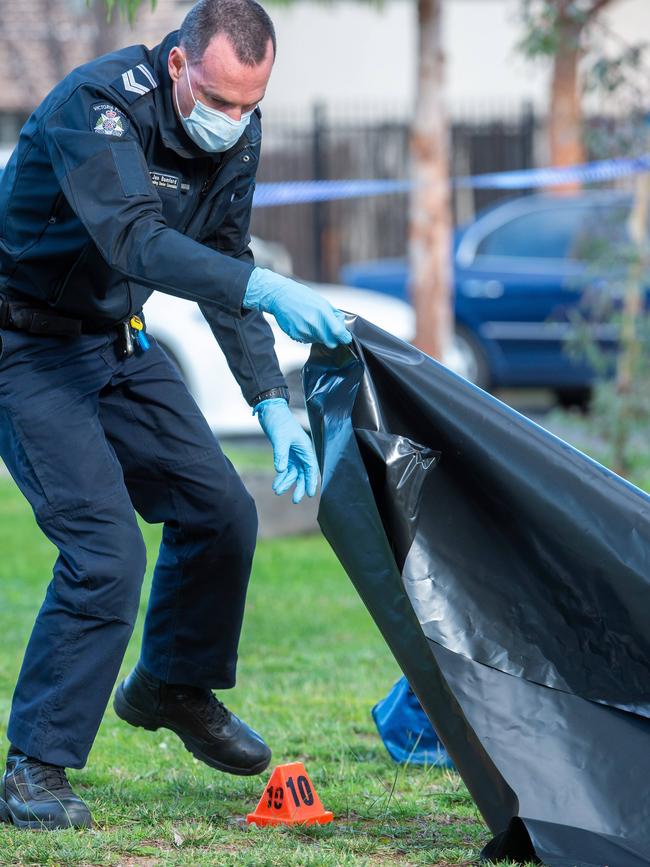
x,y
88,437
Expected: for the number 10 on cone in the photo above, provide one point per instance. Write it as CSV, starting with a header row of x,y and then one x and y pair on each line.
x,y
289,799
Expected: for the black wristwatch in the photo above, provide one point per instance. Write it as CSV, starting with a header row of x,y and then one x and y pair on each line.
x,y
279,391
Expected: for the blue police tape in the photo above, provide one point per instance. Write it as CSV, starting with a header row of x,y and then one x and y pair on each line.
x,y
299,192
587,173
302,192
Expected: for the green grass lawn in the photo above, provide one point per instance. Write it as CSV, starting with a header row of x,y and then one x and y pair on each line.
x,y
312,664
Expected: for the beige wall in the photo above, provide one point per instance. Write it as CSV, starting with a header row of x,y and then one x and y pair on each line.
x,y
358,53
42,40
354,56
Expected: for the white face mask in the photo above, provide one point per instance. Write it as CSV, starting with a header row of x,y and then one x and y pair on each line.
x,y
210,129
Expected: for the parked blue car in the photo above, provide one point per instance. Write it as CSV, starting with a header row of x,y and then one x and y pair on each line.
x,y
519,270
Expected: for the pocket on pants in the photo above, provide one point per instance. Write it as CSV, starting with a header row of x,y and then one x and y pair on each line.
x,y
73,464
5,339
18,463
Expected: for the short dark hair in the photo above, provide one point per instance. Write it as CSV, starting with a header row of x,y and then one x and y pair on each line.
x,y
244,22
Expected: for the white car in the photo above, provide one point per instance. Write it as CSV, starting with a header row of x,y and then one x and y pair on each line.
x,y
180,328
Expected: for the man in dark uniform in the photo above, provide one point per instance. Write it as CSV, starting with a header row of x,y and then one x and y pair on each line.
x,y
137,173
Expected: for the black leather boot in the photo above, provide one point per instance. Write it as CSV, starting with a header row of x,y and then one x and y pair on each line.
x,y
205,725
37,795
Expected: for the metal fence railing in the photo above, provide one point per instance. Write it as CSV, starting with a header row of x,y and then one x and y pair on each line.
x,y
323,236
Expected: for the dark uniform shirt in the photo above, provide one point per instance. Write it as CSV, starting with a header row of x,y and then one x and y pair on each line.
x,y
106,198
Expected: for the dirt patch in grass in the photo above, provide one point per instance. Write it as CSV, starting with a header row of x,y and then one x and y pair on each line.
x,y
138,861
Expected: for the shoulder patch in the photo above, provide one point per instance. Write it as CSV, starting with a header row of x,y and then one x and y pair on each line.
x,y
107,119
135,82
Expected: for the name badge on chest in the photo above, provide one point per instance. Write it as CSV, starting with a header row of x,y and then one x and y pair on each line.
x,y
164,181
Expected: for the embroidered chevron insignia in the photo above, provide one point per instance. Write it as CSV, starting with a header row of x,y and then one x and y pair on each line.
x,y
138,80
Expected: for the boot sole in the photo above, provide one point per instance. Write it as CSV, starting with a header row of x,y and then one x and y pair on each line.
x,y
8,817
134,717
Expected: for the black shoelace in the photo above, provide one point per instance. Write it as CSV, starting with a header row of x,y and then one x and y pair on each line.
x,y
205,704
48,778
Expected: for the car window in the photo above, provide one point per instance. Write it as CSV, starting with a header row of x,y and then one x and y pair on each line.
x,y
545,234
604,235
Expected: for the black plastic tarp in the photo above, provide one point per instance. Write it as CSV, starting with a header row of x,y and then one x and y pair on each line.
x,y
510,576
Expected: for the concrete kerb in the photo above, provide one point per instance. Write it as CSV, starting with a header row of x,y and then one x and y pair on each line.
x,y
278,516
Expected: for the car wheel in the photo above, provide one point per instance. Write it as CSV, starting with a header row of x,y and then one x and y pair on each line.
x,y
578,397
471,358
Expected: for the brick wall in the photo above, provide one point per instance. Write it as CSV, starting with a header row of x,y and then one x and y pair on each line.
x,y
42,40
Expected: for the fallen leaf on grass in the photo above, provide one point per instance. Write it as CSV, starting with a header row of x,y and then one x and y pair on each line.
x,y
239,821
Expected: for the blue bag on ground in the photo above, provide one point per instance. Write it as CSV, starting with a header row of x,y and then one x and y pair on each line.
x,y
406,731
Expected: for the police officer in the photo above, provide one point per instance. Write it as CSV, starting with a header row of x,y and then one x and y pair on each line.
x,y
137,173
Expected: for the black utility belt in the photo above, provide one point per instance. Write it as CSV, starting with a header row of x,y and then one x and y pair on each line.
x,y
35,320
131,332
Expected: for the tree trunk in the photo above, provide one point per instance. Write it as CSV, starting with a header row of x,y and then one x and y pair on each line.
x,y
52,12
108,34
565,115
628,366
430,232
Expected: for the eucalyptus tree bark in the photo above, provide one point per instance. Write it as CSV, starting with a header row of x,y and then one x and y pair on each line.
x,y
629,363
107,32
430,229
51,11
638,222
565,110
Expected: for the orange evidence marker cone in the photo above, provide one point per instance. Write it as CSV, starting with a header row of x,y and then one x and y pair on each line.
x,y
289,799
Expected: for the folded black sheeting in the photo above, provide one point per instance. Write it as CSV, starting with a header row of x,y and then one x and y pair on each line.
x,y
509,574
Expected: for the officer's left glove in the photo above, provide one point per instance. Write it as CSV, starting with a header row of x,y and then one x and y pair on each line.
x,y
293,453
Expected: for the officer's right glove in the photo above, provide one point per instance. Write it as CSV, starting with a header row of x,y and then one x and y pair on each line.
x,y
299,311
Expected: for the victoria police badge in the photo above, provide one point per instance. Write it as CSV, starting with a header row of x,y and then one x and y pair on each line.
x,y
106,119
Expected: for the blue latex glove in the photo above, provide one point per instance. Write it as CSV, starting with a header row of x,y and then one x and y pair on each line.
x,y
293,453
299,311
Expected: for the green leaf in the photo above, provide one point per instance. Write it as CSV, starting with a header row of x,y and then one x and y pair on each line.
x,y
125,8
